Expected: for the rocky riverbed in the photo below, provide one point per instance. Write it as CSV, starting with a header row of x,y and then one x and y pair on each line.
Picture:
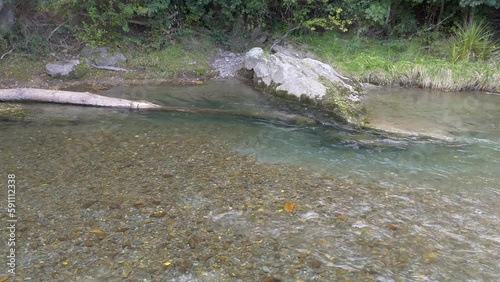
x,y
138,200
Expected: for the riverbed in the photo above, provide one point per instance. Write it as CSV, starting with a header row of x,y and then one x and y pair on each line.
x,y
118,195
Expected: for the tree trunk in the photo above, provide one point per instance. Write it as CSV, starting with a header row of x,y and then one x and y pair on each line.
x,y
89,99
71,98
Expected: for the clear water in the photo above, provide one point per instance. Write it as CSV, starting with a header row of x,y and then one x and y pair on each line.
x,y
439,175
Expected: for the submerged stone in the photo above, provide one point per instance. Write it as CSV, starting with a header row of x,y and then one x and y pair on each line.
x,y
317,86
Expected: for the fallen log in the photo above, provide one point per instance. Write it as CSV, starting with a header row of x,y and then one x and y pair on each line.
x,y
109,68
89,99
70,98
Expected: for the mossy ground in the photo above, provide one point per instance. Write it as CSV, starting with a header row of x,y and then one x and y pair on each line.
x,y
185,61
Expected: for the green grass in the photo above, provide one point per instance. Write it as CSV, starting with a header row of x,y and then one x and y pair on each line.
x,y
403,63
189,57
16,67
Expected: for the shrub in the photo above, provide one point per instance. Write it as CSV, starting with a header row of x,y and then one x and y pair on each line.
x,y
473,41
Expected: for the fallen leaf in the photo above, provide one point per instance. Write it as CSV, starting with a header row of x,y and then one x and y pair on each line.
x,y
430,257
4,278
289,207
270,279
167,264
393,227
98,232
342,217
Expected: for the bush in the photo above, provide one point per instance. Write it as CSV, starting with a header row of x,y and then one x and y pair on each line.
x,y
473,41
102,22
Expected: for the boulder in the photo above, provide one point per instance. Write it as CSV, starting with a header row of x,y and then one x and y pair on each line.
x,y
102,56
324,90
66,69
6,19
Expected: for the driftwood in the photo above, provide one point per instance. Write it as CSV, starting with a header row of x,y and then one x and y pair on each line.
x,y
109,68
89,99
71,98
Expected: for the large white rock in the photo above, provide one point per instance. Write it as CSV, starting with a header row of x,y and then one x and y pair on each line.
x,y
307,77
61,68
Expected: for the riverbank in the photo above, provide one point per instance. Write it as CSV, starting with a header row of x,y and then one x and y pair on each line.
x,y
395,63
186,62
404,62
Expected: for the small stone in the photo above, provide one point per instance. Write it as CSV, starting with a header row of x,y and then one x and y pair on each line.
x,y
299,265
316,264
269,279
192,242
303,255
139,203
87,205
158,214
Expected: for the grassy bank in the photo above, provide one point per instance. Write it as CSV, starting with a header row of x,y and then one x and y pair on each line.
x,y
402,62
410,63
184,61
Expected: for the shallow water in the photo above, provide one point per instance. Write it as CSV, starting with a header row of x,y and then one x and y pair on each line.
x,y
370,206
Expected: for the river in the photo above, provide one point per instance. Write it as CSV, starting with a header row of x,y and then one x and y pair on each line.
x,y
106,195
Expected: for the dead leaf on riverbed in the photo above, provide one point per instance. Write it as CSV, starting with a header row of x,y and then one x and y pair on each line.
x,y
4,278
430,257
289,207
99,233
393,227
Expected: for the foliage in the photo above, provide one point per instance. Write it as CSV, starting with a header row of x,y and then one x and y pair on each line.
x,y
329,22
474,41
154,23
102,22
26,40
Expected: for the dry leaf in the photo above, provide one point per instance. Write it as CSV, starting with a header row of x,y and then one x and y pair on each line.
x,y
98,232
289,207
4,278
430,257
342,217
393,227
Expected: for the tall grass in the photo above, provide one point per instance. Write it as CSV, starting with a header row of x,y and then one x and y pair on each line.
x,y
403,63
473,41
